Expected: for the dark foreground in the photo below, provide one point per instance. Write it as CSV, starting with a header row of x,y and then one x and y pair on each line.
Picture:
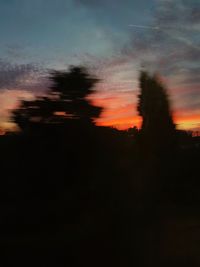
x,y
93,199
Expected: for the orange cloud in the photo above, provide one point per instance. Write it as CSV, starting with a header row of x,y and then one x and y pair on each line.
x,y
187,121
9,100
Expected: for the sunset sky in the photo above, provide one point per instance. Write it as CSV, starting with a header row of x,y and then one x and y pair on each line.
x,y
115,39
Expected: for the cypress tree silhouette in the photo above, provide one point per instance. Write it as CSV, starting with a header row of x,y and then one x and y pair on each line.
x,y
156,142
158,129
67,101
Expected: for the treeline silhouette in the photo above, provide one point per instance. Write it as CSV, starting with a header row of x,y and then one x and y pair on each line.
x,y
74,194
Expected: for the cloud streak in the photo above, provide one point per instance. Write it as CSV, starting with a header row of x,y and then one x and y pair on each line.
x,y
21,77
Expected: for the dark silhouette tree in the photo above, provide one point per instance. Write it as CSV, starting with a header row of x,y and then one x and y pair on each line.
x,y
67,101
158,129
73,88
156,144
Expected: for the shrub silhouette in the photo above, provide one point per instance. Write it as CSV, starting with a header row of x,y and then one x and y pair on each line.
x,y
67,101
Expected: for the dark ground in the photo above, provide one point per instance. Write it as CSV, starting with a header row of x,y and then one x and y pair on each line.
x,y
93,200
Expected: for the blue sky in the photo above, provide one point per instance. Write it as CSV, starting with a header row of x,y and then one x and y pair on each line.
x,y
44,30
114,38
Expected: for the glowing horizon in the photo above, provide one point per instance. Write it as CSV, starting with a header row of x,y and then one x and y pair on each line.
x,y
116,113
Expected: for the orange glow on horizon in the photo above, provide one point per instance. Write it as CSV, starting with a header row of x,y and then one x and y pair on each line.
x,y
121,123
119,111
125,121
187,122
122,115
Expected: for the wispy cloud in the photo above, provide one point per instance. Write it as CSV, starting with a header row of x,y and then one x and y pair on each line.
x,y
21,77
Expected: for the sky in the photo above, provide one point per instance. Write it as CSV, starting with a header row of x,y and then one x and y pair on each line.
x,y
115,39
